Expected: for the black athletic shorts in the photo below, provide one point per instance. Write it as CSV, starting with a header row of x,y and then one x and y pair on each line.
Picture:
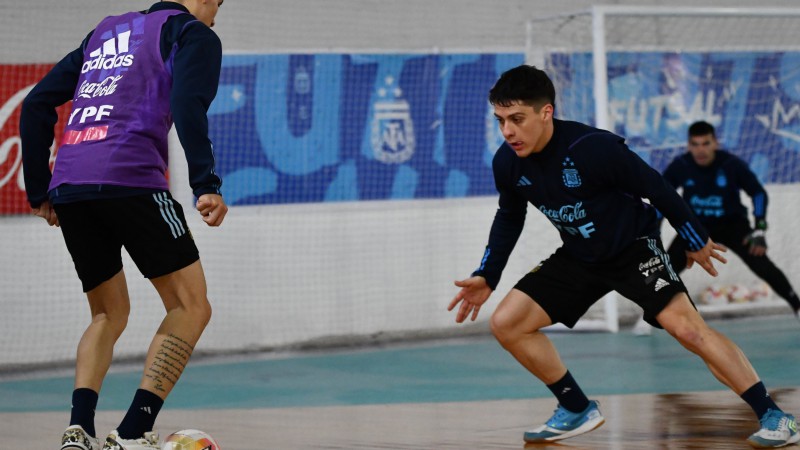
x,y
151,227
566,287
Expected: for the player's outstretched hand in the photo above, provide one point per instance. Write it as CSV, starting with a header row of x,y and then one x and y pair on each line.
x,y
213,209
46,212
704,255
473,294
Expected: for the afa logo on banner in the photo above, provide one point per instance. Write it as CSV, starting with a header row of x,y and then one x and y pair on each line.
x,y
349,127
17,81
752,98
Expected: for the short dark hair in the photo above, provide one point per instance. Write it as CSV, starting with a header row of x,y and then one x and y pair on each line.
x,y
525,84
701,128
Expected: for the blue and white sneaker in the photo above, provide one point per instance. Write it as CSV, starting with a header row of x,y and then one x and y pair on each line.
x,y
566,424
777,430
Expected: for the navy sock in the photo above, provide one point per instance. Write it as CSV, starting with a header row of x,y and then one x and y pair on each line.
x,y
569,394
141,416
758,398
84,402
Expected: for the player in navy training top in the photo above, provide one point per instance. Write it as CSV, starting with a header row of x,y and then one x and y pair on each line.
x,y
131,78
711,180
591,187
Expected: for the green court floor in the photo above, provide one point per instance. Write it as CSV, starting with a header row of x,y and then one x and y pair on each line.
x,y
472,369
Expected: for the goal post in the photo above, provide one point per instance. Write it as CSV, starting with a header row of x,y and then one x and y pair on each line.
x,y
648,72
680,41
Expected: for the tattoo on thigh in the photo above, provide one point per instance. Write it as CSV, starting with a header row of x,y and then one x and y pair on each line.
x,y
169,362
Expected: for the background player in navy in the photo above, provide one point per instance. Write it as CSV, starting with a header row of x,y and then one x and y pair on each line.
x,y
131,78
590,186
711,180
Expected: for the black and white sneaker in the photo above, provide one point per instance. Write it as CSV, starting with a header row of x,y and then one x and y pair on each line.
x,y
75,438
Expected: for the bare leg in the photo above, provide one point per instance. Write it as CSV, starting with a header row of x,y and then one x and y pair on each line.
x,y
516,323
188,312
724,358
110,306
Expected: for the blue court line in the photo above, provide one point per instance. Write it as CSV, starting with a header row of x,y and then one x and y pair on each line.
x,y
446,371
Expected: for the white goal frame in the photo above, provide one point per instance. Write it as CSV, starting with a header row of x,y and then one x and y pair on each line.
x,y
535,53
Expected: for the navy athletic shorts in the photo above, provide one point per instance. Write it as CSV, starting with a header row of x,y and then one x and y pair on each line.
x,y
566,287
151,227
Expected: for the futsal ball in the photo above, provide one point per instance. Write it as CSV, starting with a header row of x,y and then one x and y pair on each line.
x,y
739,293
761,291
189,440
714,295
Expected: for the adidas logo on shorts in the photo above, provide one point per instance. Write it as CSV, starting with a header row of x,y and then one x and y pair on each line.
x,y
660,284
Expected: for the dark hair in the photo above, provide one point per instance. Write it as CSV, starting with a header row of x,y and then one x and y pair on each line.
x,y
701,128
523,84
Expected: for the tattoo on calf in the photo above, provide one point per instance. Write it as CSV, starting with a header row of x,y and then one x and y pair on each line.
x,y
169,362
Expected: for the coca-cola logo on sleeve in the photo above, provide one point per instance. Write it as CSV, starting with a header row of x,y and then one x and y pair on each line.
x,y
16,80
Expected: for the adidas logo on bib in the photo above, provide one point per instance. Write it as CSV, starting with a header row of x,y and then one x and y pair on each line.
x,y
111,55
660,284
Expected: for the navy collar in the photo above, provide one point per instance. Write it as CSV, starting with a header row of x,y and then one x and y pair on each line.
x,y
161,6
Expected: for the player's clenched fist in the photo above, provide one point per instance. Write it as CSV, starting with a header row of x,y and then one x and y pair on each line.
x,y
213,209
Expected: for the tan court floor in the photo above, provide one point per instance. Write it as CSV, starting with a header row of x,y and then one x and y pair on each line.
x,y
708,420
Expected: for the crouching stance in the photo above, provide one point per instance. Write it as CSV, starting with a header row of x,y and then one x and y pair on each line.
x,y
591,187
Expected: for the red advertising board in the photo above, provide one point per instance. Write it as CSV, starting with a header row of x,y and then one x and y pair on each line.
x,y
16,80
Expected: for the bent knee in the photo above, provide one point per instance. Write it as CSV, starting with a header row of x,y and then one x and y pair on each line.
x,y
505,326
687,334
200,310
207,312
116,321
690,334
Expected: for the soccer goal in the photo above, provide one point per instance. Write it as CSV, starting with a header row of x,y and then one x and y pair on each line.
x,y
646,73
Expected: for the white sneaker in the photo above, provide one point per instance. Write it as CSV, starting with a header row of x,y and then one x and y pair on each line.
x,y
642,328
147,442
75,438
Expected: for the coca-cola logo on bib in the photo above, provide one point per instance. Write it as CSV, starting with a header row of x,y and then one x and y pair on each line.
x,y
16,80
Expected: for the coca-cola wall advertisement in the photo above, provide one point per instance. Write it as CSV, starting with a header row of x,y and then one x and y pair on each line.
x,y
16,80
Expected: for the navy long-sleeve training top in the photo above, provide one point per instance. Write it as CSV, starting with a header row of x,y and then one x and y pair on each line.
x,y
713,191
591,187
196,70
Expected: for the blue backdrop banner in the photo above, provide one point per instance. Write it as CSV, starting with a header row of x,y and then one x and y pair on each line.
x,y
349,127
332,127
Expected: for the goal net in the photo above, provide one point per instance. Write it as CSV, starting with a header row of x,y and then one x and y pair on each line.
x,y
646,73
359,175
358,178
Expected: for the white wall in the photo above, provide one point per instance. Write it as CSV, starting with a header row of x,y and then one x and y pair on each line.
x,y
280,26
281,275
